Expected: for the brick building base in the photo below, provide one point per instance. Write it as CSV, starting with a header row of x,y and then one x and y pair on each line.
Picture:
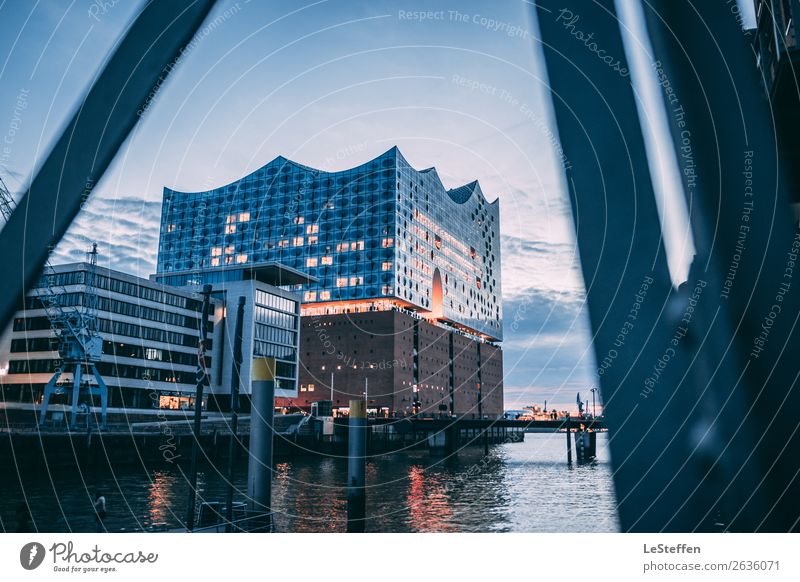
x,y
405,365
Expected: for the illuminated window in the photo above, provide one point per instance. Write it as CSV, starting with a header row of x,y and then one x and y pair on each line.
x,y
241,259
312,229
386,290
297,241
228,260
228,250
230,229
327,260
302,388
311,387
215,262
299,220
170,227
231,219
216,252
244,217
359,280
357,246
310,296
386,266
324,295
478,282
387,242
342,247
311,262
341,282
283,243
312,240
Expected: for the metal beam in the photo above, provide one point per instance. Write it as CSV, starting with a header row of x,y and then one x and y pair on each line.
x,y
633,308
736,185
139,66
699,403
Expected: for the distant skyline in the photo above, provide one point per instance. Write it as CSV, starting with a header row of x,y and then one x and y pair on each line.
x,y
330,84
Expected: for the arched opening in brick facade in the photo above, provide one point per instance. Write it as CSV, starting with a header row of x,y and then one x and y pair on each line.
x,y
437,300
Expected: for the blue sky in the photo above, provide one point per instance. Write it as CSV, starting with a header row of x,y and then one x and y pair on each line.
x,y
331,84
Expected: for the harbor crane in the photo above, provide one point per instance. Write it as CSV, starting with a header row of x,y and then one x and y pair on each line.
x,y
74,332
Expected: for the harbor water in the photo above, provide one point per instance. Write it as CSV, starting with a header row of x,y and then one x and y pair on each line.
x,y
518,487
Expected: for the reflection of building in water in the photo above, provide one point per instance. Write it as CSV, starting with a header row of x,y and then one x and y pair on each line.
x,y
160,500
428,502
403,296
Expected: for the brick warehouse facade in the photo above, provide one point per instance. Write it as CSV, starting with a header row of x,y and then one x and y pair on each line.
x,y
374,352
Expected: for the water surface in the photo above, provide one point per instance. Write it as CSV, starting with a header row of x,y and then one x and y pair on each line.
x,y
519,487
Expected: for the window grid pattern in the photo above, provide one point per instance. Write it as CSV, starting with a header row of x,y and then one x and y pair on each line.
x,y
374,232
276,328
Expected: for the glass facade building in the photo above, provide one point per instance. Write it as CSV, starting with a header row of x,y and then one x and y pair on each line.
x,y
377,236
270,329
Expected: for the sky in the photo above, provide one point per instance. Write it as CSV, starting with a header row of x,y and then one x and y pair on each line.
x,y
459,85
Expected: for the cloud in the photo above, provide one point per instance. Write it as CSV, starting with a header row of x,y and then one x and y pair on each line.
x,y
125,229
549,267
547,352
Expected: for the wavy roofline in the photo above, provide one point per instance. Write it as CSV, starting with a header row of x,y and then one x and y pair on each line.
x,y
456,194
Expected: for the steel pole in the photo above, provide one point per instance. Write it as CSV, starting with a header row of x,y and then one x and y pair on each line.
x,y
262,416
202,379
235,379
569,440
356,466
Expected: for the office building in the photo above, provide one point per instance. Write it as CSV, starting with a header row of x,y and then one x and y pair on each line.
x,y
270,328
150,336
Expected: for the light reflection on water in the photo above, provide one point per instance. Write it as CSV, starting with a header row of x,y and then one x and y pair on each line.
x,y
524,487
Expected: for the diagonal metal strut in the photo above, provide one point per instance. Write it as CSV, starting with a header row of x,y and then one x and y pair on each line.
x,y
140,64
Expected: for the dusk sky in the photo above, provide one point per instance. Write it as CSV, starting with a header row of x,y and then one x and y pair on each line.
x,y
332,84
